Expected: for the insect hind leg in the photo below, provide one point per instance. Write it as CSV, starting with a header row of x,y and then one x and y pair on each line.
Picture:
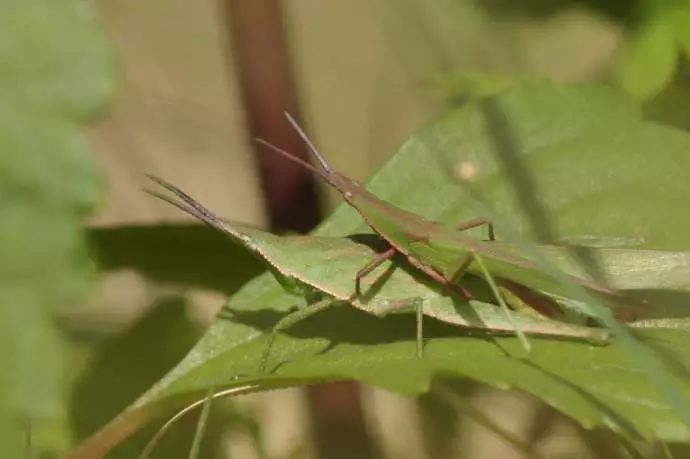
x,y
476,222
440,279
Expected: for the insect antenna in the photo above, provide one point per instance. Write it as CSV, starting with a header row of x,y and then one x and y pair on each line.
x,y
185,203
309,143
291,157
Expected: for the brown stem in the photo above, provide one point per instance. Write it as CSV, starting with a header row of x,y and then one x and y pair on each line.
x,y
260,57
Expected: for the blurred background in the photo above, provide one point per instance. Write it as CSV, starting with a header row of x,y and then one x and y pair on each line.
x,y
195,82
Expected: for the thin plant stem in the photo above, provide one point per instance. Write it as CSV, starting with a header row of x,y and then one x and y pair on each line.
x,y
482,419
490,280
666,450
631,449
148,449
201,425
420,328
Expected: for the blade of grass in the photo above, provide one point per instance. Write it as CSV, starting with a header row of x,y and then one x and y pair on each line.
x,y
201,425
666,450
499,297
485,421
148,449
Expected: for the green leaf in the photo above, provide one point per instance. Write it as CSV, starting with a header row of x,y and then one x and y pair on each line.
x,y
682,18
596,169
648,58
598,386
53,73
54,58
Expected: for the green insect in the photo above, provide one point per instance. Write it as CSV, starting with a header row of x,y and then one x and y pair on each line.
x,y
443,253
305,265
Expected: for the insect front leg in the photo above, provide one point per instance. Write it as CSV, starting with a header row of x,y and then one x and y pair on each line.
x,y
475,222
290,320
372,265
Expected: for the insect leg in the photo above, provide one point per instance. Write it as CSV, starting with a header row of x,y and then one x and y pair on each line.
x,y
420,322
494,289
440,279
418,304
290,320
455,274
372,265
518,304
475,222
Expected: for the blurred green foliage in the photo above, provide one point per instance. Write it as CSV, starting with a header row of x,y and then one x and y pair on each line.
x,y
658,38
55,73
655,43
